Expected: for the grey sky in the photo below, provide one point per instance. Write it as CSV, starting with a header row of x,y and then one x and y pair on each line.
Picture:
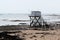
x,y
26,6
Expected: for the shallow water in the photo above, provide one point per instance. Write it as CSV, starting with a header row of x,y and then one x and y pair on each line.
x,y
4,18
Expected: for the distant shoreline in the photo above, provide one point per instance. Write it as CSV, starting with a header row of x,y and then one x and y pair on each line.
x,y
15,20
19,20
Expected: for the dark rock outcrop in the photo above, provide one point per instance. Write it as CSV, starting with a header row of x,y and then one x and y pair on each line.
x,y
5,36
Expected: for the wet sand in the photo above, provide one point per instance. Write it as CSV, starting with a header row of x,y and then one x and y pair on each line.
x,y
29,34
40,35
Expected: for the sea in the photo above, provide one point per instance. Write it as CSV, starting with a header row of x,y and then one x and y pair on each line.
x,y
5,18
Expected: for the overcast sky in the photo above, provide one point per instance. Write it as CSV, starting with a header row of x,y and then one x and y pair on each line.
x,y
26,6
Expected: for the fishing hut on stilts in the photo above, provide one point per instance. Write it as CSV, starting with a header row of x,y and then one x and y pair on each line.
x,y
36,20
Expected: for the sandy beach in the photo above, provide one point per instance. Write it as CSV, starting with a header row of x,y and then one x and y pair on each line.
x,y
39,35
33,34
